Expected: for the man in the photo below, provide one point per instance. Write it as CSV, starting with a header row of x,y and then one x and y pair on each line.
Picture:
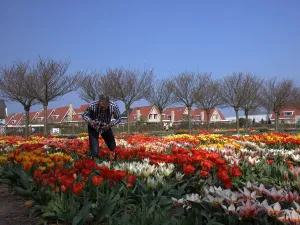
x,y
98,115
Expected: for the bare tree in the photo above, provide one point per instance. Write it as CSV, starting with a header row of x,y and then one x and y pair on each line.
x,y
48,82
13,87
278,94
161,96
127,86
90,86
187,87
233,94
253,95
210,98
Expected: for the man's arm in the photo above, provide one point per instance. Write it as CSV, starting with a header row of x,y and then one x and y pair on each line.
x,y
87,114
117,116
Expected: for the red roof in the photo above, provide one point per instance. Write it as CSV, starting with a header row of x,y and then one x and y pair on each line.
x,y
7,120
178,111
32,116
59,114
197,112
16,119
83,107
144,112
295,112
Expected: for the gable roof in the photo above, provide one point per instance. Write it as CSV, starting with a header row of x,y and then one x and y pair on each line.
x,y
32,116
59,114
296,112
197,112
17,118
124,114
178,112
83,107
8,119
144,111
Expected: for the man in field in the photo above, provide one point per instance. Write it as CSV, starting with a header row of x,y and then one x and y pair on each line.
x,y
98,115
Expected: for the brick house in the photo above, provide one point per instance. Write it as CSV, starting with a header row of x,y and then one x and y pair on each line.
x,y
289,115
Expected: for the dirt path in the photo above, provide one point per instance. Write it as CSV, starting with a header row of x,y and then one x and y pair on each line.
x,y
12,209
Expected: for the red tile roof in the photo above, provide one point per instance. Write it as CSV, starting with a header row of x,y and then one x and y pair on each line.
x,y
178,112
196,112
144,112
17,119
32,116
296,112
83,107
59,114
7,120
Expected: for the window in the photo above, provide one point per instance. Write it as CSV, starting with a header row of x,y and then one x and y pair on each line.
x,y
13,121
155,116
198,117
169,117
287,113
134,117
150,116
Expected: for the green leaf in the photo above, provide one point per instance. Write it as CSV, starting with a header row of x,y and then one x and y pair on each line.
x,y
23,192
24,178
48,214
5,181
77,220
82,214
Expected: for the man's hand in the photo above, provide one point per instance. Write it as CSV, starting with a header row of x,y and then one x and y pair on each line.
x,y
92,123
106,127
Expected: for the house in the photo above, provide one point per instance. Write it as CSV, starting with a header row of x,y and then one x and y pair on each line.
x,y
214,116
148,114
40,118
174,115
32,117
15,120
289,114
3,115
62,114
78,112
124,116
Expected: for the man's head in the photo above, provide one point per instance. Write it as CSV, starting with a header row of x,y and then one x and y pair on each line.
x,y
103,102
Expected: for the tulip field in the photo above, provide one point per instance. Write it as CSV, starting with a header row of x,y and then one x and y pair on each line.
x,y
178,179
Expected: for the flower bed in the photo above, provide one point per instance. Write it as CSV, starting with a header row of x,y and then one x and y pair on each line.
x,y
178,179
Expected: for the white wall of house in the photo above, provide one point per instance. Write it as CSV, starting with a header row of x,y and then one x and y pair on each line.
x,y
153,116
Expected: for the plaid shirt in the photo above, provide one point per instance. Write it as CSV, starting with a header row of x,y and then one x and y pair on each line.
x,y
93,112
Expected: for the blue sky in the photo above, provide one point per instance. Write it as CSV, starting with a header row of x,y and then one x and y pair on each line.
x,y
262,37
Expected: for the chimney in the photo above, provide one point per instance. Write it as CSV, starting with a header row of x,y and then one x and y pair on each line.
x,y
70,113
172,116
138,114
202,115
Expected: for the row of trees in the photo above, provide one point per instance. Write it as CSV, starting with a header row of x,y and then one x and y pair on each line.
x,y
47,80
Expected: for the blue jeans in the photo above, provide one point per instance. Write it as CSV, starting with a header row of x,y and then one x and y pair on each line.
x,y
107,136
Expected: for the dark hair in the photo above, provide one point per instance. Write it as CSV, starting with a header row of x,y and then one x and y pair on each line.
x,y
104,98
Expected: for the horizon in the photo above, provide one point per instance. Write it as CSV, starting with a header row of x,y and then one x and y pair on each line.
x,y
170,37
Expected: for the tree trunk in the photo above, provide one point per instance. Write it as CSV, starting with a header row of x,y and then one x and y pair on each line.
x,y
189,120
161,120
237,121
277,121
246,125
208,119
128,119
45,120
26,123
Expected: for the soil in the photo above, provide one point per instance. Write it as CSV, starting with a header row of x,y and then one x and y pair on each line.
x,y
12,208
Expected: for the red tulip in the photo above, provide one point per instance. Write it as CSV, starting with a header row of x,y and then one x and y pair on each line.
x,y
235,172
203,173
188,169
77,188
130,179
86,172
78,165
97,180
